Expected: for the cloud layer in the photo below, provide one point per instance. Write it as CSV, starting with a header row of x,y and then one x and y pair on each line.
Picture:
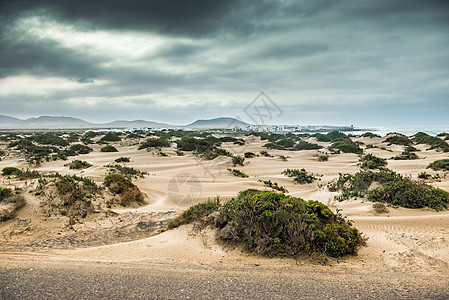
x,y
334,62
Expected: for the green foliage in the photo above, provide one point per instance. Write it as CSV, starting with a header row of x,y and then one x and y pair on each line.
x,y
238,173
76,149
21,174
330,136
303,145
207,147
346,146
10,171
238,160
269,223
406,155
434,142
371,161
398,139
128,172
2,153
128,192
299,176
5,193
274,186
78,165
249,154
424,175
441,164
179,153
370,135
323,158
395,190
155,143
122,159
265,153
11,204
48,138
109,148
111,137
195,213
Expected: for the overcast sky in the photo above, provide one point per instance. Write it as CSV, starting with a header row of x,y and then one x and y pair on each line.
x,y
322,62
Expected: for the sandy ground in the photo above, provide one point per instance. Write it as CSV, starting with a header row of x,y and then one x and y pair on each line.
x,y
402,241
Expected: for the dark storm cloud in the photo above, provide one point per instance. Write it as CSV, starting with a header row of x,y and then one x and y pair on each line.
x,y
326,58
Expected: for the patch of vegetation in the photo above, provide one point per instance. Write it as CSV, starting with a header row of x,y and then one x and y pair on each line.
x,y
122,159
380,208
303,145
77,149
238,173
2,153
433,142
235,141
155,143
238,160
265,153
274,186
78,165
370,135
207,147
371,161
195,213
330,136
394,189
406,155
128,172
249,154
300,176
346,146
179,153
398,139
108,148
129,194
424,175
441,164
34,154
68,196
49,138
274,224
323,158
21,174
410,148
10,204
111,137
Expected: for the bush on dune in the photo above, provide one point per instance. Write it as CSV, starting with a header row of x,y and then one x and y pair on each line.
x,y
441,164
10,204
129,194
108,148
433,142
398,139
299,176
371,161
274,224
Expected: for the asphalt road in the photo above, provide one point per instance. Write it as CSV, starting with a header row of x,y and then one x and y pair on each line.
x,y
28,279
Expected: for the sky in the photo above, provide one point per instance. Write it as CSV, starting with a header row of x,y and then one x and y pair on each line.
x,y
368,63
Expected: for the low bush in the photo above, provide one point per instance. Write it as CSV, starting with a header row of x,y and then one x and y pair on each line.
x,y
122,160
406,155
303,145
371,161
370,135
21,174
424,175
238,173
78,165
238,160
273,224
128,172
76,149
441,164
323,158
265,153
398,139
129,194
111,137
346,146
249,154
10,204
48,138
179,153
380,208
108,148
433,142
300,176
10,171
154,143
274,186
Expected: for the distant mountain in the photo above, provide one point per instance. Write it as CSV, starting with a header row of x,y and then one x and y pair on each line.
x,y
9,122
135,124
55,122
218,123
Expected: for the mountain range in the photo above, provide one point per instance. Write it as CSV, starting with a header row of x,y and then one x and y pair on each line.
x,y
52,122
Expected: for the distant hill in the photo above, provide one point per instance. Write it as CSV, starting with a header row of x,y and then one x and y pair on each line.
x,y
218,123
51,122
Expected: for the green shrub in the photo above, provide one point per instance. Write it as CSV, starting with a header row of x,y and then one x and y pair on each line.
x,y
179,153
109,148
249,154
330,136
129,194
371,161
441,164
434,142
238,160
11,204
2,153
274,224
48,138
10,171
398,139
122,159
154,143
299,176
406,155
21,174
78,165
195,213
303,145
238,173
265,153
274,186
128,172
346,146
111,137
424,175
79,149
370,135
5,193
323,158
